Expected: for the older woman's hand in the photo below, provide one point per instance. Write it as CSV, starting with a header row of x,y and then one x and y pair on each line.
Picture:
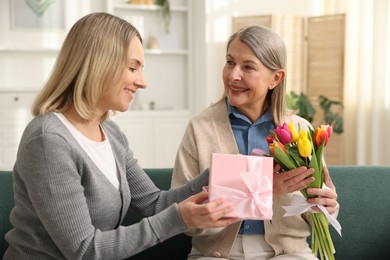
x,y
290,181
326,196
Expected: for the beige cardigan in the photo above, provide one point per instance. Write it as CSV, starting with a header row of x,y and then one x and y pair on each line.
x,y
208,132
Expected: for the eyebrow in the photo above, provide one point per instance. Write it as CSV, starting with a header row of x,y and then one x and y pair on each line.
x,y
138,62
245,61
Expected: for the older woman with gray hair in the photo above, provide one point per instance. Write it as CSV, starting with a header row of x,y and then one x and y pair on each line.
x,y
253,104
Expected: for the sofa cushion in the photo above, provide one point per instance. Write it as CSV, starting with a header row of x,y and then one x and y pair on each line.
x,y
6,205
177,247
363,194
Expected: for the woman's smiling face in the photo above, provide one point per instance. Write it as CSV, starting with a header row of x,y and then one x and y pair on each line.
x,y
118,99
246,80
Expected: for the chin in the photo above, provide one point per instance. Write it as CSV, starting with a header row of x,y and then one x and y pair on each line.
x,y
234,101
123,108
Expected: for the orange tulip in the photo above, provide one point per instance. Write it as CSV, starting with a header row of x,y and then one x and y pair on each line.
x,y
322,135
280,154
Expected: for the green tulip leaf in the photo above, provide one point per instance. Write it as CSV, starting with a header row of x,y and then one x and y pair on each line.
x,y
283,157
294,153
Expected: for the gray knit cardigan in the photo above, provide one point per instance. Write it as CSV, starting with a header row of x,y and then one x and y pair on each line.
x,y
65,208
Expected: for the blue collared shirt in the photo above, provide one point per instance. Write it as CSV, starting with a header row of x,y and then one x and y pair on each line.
x,y
249,136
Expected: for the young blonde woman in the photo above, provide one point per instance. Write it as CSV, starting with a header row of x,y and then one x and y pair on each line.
x,y
253,105
75,176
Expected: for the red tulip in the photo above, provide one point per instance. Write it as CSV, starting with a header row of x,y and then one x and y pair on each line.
x,y
322,135
270,139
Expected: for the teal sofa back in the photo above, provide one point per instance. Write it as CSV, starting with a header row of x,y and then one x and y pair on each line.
x,y
364,198
6,205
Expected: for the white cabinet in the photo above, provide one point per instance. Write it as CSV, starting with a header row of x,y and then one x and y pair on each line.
x,y
23,72
14,116
153,136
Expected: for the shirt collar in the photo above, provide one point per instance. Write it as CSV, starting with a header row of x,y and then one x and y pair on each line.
x,y
232,111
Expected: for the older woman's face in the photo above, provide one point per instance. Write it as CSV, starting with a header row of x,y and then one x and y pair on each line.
x,y
246,80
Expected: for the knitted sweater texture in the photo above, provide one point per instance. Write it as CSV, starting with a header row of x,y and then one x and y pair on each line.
x,y
65,208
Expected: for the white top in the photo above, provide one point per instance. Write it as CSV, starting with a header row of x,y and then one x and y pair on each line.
x,y
100,152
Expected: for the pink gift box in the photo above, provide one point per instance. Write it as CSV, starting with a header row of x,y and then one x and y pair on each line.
x,y
245,182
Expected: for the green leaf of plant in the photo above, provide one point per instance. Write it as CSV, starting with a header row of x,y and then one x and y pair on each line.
x,y
284,158
294,153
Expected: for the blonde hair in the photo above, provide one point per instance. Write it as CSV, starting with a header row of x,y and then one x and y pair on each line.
x,y
90,62
270,49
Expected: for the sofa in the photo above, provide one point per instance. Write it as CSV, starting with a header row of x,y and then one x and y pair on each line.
x,y
364,197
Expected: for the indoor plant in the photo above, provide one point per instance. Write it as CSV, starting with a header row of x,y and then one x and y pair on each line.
x,y
302,105
165,12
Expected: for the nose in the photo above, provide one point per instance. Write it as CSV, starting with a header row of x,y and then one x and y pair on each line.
x,y
141,82
235,73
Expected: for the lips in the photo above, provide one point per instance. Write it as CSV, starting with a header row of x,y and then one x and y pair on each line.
x,y
129,91
238,89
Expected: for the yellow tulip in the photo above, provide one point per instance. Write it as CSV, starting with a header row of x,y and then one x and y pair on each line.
x,y
304,146
303,134
294,132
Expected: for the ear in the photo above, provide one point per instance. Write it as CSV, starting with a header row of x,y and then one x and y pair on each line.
x,y
278,76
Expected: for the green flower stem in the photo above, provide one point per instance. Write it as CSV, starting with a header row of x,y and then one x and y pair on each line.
x,y
325,224
322,243
318,232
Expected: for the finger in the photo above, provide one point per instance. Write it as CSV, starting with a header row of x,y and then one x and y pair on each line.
x,y
301,184
199,198
202,197
325,192
221,213
328,181
298,174
277,168
329,204
322,201
302,179
210,207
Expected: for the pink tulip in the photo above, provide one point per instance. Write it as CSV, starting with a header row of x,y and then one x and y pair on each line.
x,y
283,133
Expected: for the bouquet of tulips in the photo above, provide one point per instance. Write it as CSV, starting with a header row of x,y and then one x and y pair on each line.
x,y
292,149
